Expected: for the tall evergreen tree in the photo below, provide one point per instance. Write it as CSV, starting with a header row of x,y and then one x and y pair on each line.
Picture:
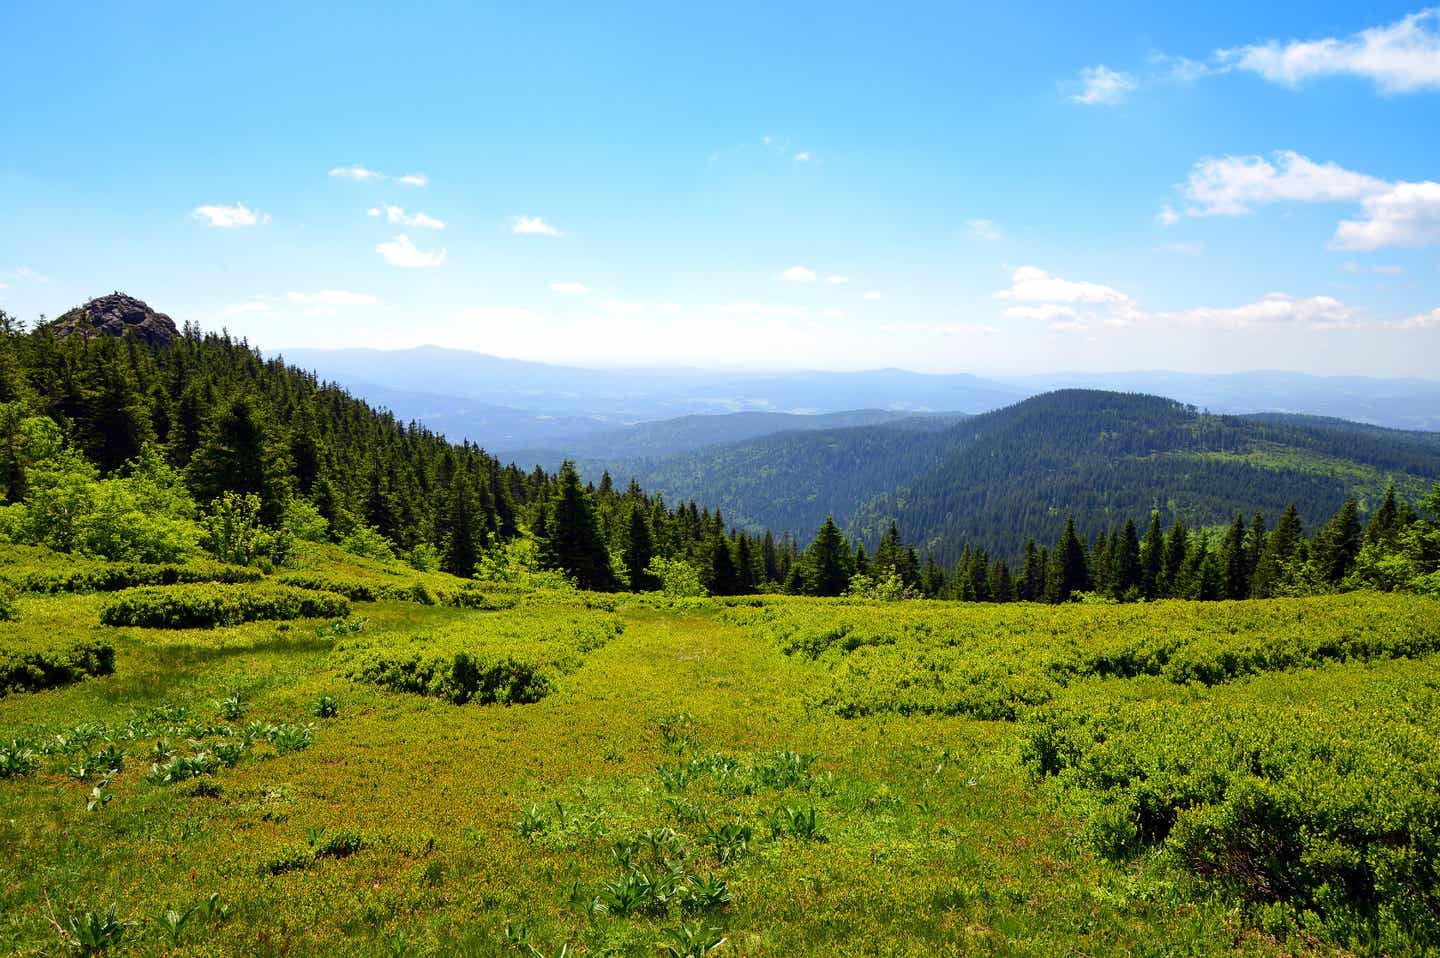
x,y
1235,584
1334,550
461,530
575,544
1152,558
639,549
829,563
1126,572
1067,573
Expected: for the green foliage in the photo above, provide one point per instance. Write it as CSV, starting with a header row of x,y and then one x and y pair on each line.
x,y
1309,795
32,664
76,575
234,533
209,605
676,577
145,515
368,543
508,658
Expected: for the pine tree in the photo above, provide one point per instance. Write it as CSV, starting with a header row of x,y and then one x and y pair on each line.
x,y
1177,545
241,452
829,563
1067,573
1235,584
639,550
1279,549
724,576
1334,550
1126,573
575,544
461,530
1032,578
1385,521
1152,558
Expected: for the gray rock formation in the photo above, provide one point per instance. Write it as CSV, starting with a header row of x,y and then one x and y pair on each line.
x,y
118,315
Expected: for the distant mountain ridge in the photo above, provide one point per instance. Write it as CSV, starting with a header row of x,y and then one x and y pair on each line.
x,y
994,479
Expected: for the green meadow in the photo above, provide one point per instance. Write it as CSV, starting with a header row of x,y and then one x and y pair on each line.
x,y
358,758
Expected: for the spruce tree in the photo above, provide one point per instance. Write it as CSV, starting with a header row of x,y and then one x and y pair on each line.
x,y
1152,558
1280,548
1125,573
1235,584
575,544
461,529
639,550
1067,573
829,563
1334,550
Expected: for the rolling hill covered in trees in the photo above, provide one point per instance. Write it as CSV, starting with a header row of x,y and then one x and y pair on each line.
x,y
996,479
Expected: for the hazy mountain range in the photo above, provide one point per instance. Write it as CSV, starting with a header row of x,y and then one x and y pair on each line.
x,y
537,410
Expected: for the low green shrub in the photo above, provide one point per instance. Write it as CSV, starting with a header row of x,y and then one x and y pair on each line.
x,y
510,658
1310,795
28,665
209,605
85,576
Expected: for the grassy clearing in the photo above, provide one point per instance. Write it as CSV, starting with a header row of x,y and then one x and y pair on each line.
x,y
687,778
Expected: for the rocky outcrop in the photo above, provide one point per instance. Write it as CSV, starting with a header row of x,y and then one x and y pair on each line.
x,y
117,315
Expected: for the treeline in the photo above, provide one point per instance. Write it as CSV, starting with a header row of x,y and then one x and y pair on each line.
x,y
121,450
118,449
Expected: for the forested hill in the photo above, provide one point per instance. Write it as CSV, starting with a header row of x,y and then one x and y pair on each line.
x,y
996,479
123,437
1100,456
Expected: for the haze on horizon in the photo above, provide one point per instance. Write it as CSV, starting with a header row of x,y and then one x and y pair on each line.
x,y
839,187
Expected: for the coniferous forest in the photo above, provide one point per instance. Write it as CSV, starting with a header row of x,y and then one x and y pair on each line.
x,y
99,430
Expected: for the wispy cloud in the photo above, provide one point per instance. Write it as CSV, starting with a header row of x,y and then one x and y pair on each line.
x,y
228,217
403,253
1393,213
532,226
1102,86
798,274
397,216
837,280
570,289
804,156
361,174
358,174
872,296
1071,305
1381,270
1402,57
1167,216
984,229
1235,185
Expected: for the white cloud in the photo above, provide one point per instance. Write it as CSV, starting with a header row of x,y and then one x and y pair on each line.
x,y
837,280
798,274
1407,214
1102,86
1180,69
1183,248
570,289
873,295
984,229
1403,57
413,179
398,216
1354,267
228,217
357,173
403,253
939,329
1234,185
1045,313
804,156
1167,216
1275,309
1032,284
833,313
532,226
1430,320
500,315
333,297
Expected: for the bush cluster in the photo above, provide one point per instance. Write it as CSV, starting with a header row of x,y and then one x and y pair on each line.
x,y
997,662
79,576
27,666
211,604
510,658
1312,795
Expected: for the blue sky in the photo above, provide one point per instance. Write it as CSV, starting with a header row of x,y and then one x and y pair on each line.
x,y
1216,188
